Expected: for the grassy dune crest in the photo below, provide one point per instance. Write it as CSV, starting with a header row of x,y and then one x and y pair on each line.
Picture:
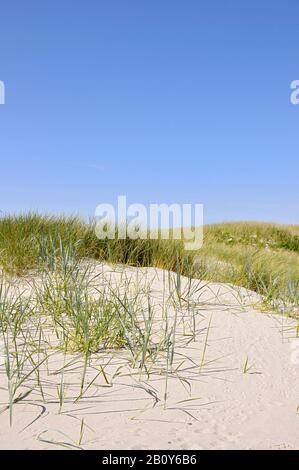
x,y
25,241
259,256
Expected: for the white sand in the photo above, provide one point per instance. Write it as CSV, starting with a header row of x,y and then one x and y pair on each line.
x,y
227,409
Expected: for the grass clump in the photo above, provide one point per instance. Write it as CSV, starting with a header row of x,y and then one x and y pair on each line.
x,y
89,314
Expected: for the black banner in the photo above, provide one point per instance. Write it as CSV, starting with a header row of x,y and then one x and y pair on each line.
x,y
140,459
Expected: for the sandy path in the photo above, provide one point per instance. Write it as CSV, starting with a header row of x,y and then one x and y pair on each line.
x,y
215,406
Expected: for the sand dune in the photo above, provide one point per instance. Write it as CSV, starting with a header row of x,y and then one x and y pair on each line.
x,y
211,403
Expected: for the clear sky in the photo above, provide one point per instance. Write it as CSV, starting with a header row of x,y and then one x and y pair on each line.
x,y
162,100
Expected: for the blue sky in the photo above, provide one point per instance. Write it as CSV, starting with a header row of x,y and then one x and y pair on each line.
x,y
160,100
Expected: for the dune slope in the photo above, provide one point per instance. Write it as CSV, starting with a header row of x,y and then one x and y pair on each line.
x,y
234,385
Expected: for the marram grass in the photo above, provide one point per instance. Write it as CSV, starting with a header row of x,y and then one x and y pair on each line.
x,y
26,239
259,256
